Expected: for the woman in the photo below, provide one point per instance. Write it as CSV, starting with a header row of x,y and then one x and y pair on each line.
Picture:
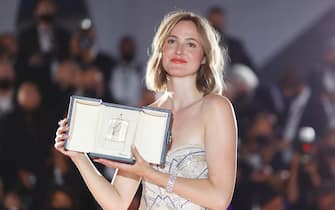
x,y
199,173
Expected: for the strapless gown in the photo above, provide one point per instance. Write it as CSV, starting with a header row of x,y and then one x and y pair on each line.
x,y
187,161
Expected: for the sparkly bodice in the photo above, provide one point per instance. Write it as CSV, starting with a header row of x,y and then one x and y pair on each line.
x,y
188,161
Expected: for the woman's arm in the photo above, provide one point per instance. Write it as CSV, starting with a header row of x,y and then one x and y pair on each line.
x,y
117,195
221,148
110,196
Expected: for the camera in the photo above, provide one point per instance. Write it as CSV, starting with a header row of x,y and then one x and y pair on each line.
x,y
85,37
306,139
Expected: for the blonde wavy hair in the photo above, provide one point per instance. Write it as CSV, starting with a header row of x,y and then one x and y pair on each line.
x,y
210,75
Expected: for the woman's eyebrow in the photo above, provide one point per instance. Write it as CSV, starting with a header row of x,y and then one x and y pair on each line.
x,y
188,39
172,36
193,39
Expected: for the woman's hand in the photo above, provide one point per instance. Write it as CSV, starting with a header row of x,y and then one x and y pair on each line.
x,y
61,136
140,168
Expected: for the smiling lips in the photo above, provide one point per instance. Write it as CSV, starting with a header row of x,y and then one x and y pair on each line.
x,y
178,60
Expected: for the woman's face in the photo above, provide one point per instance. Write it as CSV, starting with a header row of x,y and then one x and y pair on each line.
x,y
182,50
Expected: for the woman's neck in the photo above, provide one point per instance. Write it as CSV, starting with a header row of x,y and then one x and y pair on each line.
x,y
181,93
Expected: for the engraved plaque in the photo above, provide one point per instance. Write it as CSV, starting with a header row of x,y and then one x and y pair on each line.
x,y
116,130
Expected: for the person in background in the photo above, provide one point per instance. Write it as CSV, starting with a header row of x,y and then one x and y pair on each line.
x,y
326,196
92,83
94,63
235,47
60,173
41,46
61,198
7,88
8,48
288,100
241,86
321,110
12,200
7,107
261,160
66,82
126,84
26,133
186,65
304,180
327,156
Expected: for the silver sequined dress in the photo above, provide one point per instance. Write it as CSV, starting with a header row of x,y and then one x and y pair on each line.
x,y
188,161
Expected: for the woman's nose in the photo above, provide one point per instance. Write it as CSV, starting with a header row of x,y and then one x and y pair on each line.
x,y
179,49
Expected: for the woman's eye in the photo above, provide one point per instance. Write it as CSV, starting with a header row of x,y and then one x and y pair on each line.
x,y
191,44
171,41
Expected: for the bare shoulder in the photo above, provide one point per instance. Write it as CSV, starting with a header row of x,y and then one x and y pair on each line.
x,y
220,122
214,103
218,110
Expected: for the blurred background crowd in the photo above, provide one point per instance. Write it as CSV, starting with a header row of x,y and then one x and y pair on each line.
x,y
286,149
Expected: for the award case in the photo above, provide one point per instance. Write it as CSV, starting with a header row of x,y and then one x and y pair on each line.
x,y
108,130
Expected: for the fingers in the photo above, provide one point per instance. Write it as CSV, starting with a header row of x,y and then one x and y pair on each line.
x,y
134,151
59,145
140,168
63,122
61,135
110,163
61,130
